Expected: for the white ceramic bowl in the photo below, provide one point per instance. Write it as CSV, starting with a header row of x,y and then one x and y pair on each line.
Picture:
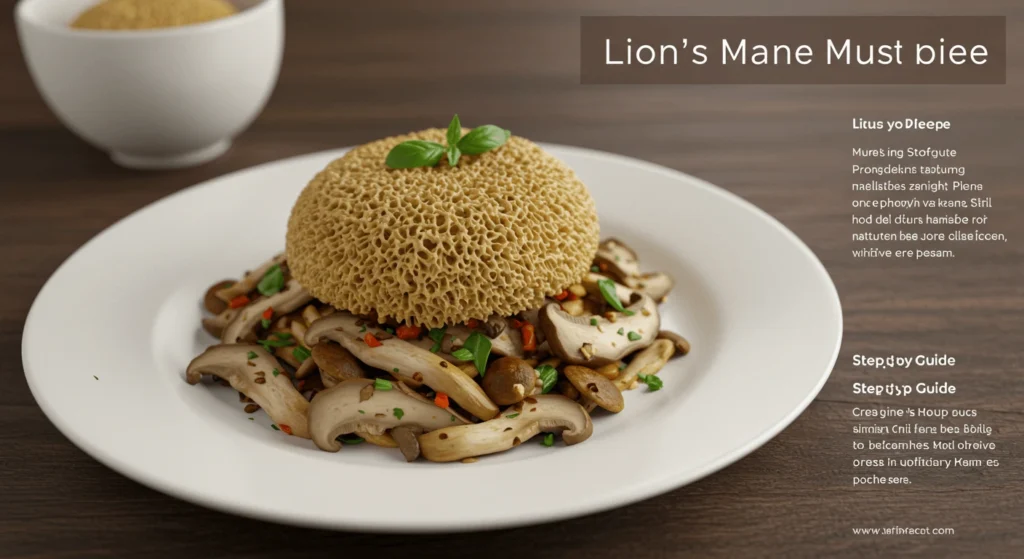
x,y
161,98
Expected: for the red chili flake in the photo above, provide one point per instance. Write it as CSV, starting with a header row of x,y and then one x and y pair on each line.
x,y
408,332
572,296
516,323
371,340
301,384
472,323
441,400
561,296
529,337
239,302
286,428
268,314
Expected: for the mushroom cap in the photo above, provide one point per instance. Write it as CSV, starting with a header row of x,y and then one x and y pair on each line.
x,y
442,245
595,387
502,377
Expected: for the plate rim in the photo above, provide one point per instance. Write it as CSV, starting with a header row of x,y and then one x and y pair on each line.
x,y
639,492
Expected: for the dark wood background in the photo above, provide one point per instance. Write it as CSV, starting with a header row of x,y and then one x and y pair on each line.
x,y
355,71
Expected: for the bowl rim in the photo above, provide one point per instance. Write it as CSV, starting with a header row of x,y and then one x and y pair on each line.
x,y
212,26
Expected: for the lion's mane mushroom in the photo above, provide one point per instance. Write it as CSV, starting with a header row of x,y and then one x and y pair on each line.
x,y
250,281
547,412
404,360
509,380
593,340
255,378
341,410
285,301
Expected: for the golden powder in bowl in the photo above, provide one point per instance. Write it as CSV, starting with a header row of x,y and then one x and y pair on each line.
x,y
151,14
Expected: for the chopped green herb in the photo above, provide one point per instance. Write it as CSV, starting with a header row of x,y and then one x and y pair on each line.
x,y
363,329
633,336
463,354
653,382
436,334
481,348
628,312
381,384
593,322
609,293
283,335
453,418
622,367
272,282
265,323
96,377
395,370
251,419
389,330
275,372
351,439
275,427
512,415
301,354
549,439
549,376
362,412
621,331
251,355
399,413
595,269
270,344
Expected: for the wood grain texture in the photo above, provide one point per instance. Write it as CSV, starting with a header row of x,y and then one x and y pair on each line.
x,y
357,71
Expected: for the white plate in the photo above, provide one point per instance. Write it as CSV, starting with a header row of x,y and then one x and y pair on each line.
x,y
760,310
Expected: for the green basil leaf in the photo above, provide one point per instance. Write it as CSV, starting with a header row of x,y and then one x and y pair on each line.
x,y
653,382
454,132
481,348
607,288
351,439
301,354
483,138
548,440
381,384
272,282
399,412
549,376
414,153
453,155
633,336
463,354
436,334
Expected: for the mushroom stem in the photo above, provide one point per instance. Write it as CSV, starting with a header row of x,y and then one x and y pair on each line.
x,y
256,379
251,280
404,360
285,301
647,362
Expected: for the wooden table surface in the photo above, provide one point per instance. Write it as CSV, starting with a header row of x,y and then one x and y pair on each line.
x,y
356,71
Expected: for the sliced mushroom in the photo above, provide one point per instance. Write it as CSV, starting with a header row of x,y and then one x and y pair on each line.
x,y
595,388
336,363
494,326
407,438
215,325
251,280
405,360
509,380
285,301
682,344
595,340
657,284
212,303
547,412
508,342
647,362
255,378
617,259
339,410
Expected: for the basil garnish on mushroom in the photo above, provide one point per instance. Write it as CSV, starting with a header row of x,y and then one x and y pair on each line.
x,y
548,376
422,153
480,347
272,282
607,288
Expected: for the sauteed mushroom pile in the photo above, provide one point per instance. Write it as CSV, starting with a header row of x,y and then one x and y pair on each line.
x,y
444,394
